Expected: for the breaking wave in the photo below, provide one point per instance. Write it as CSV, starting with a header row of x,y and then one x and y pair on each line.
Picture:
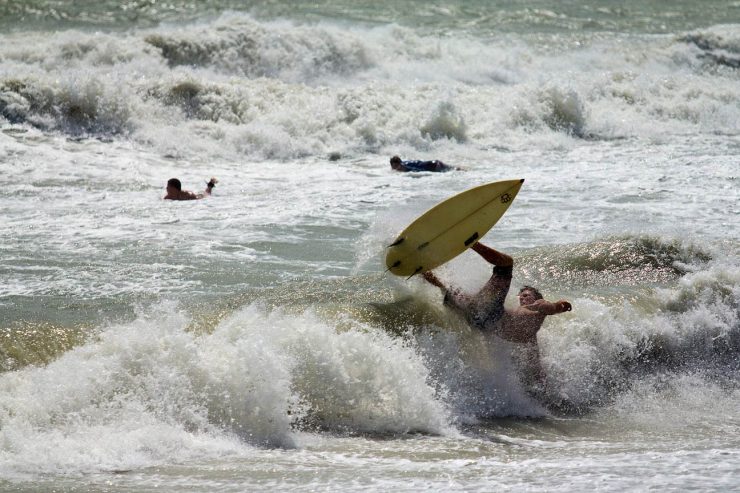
x,y
273,90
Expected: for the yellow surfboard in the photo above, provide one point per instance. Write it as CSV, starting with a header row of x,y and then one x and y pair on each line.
x,y
450,227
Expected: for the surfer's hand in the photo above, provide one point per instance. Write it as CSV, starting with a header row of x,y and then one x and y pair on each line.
x,y
563,306
430,277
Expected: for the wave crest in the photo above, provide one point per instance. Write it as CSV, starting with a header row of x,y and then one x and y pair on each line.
x,y
77,106
242,47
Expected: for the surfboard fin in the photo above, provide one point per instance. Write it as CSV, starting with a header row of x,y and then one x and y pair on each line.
x,y
397,242
395,264
472,238
418,269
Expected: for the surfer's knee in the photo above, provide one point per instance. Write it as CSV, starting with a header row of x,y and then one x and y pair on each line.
x,y
506,260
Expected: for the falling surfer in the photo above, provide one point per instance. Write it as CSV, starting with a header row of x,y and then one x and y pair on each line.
x,y
485,311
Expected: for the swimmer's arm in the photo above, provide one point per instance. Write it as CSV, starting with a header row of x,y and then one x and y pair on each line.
x,y
210,185
548,307
209,188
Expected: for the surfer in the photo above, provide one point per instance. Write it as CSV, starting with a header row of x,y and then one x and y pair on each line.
x,y
175,191
485,310
435,165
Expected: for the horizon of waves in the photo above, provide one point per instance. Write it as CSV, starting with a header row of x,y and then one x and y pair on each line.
x,y
481,17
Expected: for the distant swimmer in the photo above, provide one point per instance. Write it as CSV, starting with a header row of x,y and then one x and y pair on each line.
x,y
175,191
485,310
435,165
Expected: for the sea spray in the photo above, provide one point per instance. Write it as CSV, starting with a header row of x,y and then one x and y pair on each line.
x,y
363,380
605,350
256,378
130,389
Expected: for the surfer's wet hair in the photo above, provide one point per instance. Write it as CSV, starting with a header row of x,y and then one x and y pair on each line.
x,y
534,291
174,182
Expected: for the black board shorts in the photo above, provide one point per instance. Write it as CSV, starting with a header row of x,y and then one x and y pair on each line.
x,y
484,309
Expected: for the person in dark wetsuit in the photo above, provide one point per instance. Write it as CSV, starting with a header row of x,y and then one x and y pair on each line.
x,y
435,165
485,310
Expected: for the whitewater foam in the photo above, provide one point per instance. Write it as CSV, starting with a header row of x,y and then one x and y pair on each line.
x,y
272,90
152,388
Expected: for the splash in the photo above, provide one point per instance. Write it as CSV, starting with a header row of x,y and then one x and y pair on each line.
x,y
644,306
152,391
607,349
76,106
554,108
445,123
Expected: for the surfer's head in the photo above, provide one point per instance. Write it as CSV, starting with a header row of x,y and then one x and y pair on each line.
x,y
396,162
174,183
174,189
528,295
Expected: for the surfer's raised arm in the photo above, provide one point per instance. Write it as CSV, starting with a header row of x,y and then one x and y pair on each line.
x,y
210,185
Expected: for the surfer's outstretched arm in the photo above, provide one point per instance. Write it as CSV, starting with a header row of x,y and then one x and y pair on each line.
x,y
493,256
548,307
454,298
434,280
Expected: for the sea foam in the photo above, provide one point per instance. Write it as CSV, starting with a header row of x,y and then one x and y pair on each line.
x,y
275,90
151,388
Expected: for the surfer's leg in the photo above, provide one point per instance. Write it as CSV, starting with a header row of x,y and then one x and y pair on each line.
x,y
488,306
497,287
493,256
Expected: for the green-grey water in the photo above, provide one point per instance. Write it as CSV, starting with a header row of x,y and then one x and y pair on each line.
x,y
254,341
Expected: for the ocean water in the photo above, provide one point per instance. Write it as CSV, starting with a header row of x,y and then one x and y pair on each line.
x,y
252,341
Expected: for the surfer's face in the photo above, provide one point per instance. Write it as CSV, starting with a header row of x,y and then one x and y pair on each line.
x,y
526,297
172,191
